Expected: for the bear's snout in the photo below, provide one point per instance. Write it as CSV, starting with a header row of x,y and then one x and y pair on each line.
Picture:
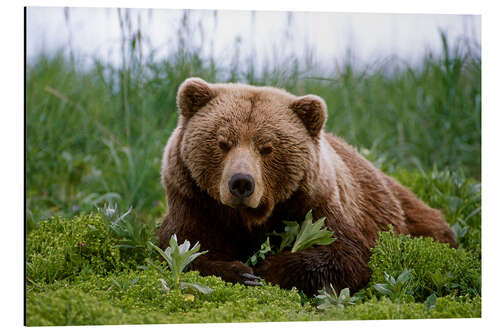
x,y
241,185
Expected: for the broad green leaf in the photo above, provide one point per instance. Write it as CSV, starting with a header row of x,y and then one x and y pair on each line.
x,y
116,283
311,234
430,302
404,276
164,285
124,246
389,279
344,294
160,251
155,267
382,288
324,306
288,236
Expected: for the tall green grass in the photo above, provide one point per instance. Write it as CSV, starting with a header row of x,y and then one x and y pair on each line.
x,y
96,133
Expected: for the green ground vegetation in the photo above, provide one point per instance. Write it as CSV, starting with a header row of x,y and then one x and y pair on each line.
x,y
79,273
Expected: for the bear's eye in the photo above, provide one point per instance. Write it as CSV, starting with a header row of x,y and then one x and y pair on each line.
x,y
266,150
224,145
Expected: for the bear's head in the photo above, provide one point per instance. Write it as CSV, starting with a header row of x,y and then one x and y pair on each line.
x,y
248,147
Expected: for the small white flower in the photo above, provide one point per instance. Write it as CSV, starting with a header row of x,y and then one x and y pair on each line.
x,y
109,211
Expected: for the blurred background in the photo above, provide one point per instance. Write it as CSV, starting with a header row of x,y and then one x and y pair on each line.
x,y
101,86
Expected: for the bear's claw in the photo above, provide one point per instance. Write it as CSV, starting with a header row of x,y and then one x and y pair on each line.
x,y
252,283
253,280
250,276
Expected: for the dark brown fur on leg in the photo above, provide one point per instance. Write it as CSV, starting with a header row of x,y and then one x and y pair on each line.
x,y
420,219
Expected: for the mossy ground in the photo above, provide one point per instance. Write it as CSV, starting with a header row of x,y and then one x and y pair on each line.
x,y
77,275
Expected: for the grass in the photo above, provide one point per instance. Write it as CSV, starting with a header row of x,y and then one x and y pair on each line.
x,y
95,134
98,133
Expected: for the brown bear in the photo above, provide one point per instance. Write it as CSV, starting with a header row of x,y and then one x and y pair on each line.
x,y
243,159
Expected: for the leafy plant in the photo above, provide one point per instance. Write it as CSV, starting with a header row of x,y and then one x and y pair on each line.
x,y
110,212
442,281
131,233
297,237
265,248
396,289
289,235
311,234
178,258
460,230
328,300
430,302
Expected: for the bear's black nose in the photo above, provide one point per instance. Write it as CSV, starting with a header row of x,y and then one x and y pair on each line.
x,y
241,185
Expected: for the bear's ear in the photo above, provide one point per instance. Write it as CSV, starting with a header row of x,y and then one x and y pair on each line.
x,y
311,109
193,94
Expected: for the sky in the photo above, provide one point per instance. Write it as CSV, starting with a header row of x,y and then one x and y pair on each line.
x,y
95,32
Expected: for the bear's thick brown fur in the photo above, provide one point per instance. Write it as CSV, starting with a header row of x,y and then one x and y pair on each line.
x,y
243,159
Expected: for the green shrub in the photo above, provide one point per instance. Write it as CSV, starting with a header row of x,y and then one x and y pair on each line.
x,y
70,306
62,248
458,197
435,267
133,235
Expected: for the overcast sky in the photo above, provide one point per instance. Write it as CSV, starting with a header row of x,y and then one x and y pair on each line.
x,y
96,32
